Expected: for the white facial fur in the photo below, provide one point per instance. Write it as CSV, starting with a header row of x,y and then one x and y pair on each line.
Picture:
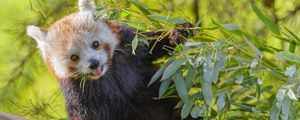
x,y
74,35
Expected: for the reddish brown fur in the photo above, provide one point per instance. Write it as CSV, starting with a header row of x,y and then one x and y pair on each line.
x,y
114,28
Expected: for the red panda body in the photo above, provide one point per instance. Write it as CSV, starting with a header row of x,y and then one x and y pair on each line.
x,y
100,77
122,93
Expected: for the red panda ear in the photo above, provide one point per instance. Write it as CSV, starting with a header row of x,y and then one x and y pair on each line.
x,y
39,36
36,33
86,5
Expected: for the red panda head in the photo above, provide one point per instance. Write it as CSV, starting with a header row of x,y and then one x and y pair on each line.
x,y
77,45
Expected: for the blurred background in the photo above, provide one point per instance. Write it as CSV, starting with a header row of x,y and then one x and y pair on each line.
x,y
28,89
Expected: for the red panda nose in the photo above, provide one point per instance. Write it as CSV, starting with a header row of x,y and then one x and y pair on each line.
x,y
94,64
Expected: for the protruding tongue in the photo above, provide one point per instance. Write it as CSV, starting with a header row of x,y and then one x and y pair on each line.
x,y
97,72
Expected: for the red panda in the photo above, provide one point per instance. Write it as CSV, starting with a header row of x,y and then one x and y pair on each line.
x,y
79,47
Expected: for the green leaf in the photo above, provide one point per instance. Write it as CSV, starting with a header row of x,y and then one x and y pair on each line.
x,y
280,94
290,71
286,104
198,111
242,106
191,73
289,56
142,7
173,67
265,19
164,87
207,92
185,111
274,114
134,44
159,72
167,19
221,102
257,51
180,87
291,94
137,25
294,36
195,113
207,81
231,27
217,67
207,69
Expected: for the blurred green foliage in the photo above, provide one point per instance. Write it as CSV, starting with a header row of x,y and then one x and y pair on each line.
x,y
243,62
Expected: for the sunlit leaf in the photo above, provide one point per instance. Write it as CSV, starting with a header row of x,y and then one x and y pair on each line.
x,y
280,94
242,106
291,95
296,38
259,81
257,51
290,71
137,25
254,63
289,56
265,19
231,27
240,79
134,44
141,6
167,19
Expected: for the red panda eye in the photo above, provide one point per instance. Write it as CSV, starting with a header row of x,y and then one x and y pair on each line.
x,y
95,44
74,58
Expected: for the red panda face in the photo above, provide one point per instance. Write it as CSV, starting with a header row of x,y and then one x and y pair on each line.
x,y
77,45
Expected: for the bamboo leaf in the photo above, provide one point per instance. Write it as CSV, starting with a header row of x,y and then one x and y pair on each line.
x,y
134,44
198,111
180,87
265,19
167,19
296,38
289,56
257,51
137,25
158,74
191,73
207,93
290,71
164,87
185,111
217,67
242,106
291,95
231,27
141,6
221,102
207,81
286,104
274,114
173,67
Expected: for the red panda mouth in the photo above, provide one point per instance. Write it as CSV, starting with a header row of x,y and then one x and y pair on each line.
x,y
97,72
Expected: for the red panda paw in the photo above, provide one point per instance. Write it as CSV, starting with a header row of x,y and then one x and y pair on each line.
x,y
181,33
